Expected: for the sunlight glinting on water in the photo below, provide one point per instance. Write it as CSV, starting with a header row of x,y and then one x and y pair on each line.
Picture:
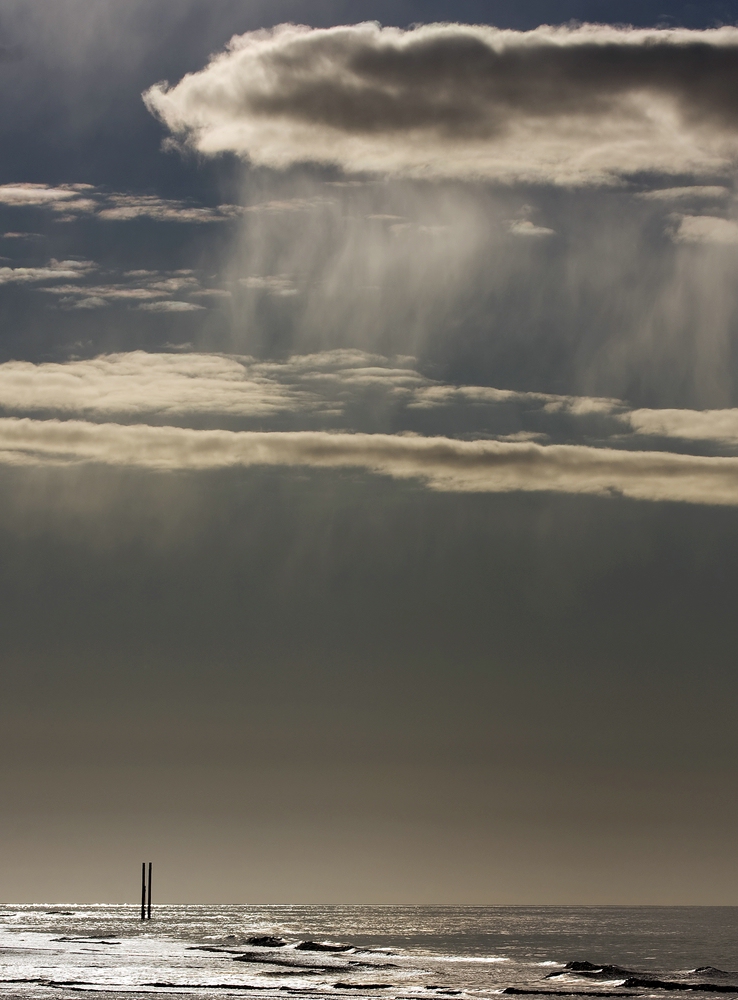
x,y
401,953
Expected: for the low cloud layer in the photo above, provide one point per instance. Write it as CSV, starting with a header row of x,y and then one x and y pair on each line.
x,y
336,385
441,463
568,105
136,383
331,383
334,388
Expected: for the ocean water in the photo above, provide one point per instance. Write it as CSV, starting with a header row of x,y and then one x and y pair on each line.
x,y
393,952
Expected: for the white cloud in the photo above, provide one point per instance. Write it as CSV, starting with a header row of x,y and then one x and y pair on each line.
x,y
87,302
71,209
697,191
581,406
55,270
171,306
36,195
522,436
706,229
123,207
110,293
567,105
523,227
73,200
432,396
338,384
389,379
328,385
143,286
190,383
175,283
142,383
441,463
720,426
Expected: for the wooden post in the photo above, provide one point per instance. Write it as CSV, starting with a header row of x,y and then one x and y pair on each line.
x,y
143,890
149,907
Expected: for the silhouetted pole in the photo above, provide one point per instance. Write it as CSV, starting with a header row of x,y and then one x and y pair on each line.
x,y
143,890
149,907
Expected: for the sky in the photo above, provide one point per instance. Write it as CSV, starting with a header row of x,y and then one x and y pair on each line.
x,y
369,451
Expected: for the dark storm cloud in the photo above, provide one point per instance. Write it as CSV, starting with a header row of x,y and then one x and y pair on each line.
x,y
84,66
569,105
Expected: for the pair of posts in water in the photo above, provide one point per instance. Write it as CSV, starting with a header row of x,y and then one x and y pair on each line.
x,y
145,909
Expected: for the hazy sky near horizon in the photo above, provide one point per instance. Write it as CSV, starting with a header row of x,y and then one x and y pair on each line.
x,y
369,450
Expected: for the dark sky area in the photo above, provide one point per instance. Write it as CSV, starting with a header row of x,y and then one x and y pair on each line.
x,y
496,669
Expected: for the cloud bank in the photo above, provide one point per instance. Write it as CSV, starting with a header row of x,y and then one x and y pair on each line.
x,y
441,463
336,385
191,384
568,105
142,383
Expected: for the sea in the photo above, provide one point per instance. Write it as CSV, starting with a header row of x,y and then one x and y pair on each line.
x,y
392,952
